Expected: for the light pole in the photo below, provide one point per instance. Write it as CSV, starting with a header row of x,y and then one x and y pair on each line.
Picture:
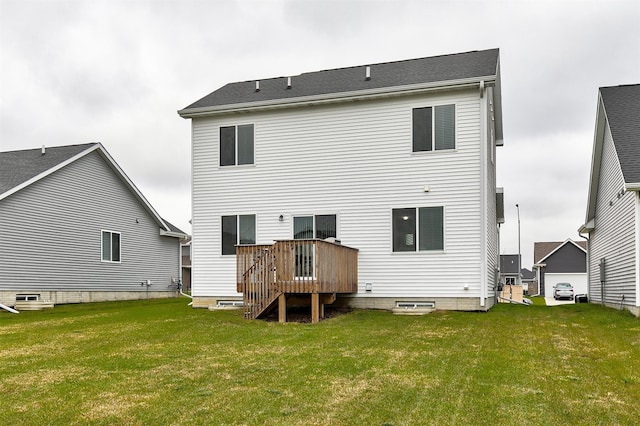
x,y
519,254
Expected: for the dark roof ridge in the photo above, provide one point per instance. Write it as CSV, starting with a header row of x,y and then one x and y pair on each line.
x,y
372,64
339,83
51,147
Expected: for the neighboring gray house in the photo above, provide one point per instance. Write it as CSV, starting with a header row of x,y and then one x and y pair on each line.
x,y
560,262
509,269
613,210
396,160
74,228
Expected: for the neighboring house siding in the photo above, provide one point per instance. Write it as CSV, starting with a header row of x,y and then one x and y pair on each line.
x,y
52,235
567,259
354,160
614,234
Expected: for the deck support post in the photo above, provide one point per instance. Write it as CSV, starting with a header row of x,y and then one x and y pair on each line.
x,y
282,308
315,308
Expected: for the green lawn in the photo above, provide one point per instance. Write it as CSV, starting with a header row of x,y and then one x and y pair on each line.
x,y
161,362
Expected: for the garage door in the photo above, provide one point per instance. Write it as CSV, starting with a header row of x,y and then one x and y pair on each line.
x,y
578,281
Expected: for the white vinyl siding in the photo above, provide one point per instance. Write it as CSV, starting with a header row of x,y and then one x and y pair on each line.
x,y
614,234
59,220
355,160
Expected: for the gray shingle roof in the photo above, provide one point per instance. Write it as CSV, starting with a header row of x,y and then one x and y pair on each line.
x,y
17,167
469,65
622,107
544,248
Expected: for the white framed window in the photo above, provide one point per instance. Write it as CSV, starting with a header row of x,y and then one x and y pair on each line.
x,y
434,128
321,226
111,246
236,145
418,229
237,229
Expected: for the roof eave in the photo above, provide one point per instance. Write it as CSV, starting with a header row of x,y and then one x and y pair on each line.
x,y
173,234
338,97
596,159
632,186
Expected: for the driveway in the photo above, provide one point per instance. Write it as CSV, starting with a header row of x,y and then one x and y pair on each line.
x,y
553,302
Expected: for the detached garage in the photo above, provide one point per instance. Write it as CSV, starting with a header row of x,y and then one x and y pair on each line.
x,y
578,281
561,262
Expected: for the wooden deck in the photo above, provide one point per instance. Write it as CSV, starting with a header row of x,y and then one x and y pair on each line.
x,y
268,274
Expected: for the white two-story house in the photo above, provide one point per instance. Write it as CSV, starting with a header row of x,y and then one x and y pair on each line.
x,y
394,164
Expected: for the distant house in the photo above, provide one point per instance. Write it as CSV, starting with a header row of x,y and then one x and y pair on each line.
x,y
529,282
557,262
396,161
612,221
509,264
76,229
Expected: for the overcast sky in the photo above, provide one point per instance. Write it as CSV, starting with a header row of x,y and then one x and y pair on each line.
x,y
117,71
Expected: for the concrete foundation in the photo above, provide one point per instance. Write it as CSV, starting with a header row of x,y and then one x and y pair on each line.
x,y
64,297
382,303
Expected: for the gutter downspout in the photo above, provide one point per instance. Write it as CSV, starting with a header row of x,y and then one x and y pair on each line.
x,y
638,250
484,281
588,261
8,309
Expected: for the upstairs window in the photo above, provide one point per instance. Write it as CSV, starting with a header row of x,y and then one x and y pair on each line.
x,y
110,246
434,128
236,230
420,229
236,145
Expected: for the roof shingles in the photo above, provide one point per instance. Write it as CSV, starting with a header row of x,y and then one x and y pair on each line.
x,y
17,167
475,64
622,107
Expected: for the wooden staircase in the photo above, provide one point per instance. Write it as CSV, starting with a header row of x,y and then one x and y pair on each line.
x,y
268,274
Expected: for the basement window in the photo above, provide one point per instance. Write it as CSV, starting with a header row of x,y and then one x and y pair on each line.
x,y
27,297
415,305
230,303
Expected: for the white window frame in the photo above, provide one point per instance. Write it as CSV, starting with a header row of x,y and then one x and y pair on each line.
x,y
315,229
236,150
417,235
433,128
110,260
237,216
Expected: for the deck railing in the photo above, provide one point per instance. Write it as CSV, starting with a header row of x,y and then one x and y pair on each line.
x,y
293,267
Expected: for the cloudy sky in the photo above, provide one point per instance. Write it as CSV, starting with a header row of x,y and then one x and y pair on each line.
x,y
116,71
